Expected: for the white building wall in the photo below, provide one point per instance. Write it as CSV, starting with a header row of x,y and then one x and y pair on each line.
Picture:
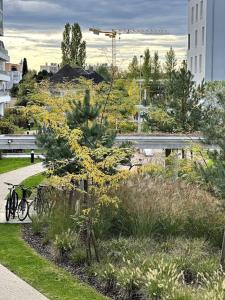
x,y
15,78
4,77
210,55
197,38
215,59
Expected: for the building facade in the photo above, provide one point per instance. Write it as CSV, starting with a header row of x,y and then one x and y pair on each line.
x,y
4,77
206,39
52,68
15,73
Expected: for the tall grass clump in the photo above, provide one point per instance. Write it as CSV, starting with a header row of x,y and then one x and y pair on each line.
x,y
158,207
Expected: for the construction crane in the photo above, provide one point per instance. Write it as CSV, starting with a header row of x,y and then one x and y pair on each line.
x,y
112,34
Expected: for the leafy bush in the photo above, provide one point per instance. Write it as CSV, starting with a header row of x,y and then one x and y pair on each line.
x,y
6,127
16,117
158,119
64,243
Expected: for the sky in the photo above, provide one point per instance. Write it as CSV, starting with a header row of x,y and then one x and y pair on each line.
x,y
33,28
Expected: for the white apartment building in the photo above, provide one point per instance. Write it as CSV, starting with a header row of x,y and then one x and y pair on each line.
x,y
4,77
206,39
15,73
52,68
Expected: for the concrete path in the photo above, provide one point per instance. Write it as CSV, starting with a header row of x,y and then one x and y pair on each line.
x,y
11,286
15,177
14,288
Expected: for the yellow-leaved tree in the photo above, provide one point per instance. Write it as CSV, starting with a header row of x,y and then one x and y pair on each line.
x,y
76,117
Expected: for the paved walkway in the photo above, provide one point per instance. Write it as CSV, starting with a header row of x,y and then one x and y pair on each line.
x,y
15,177
11,286
14,288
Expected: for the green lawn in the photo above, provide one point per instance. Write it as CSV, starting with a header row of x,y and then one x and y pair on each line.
x,y
10,164
43,275
34,180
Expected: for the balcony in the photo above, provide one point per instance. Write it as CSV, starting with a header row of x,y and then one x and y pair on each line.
x,y
4,76
3,52
4,96
4,55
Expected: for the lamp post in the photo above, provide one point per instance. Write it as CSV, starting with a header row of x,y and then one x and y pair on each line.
x,y
139,112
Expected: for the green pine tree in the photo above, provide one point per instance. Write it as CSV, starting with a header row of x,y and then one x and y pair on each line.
x,y
214,133
184,100
87,117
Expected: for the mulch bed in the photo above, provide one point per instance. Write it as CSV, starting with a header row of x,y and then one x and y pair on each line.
x,y
78,271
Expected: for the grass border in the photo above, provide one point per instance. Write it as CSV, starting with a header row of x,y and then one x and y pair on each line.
x,y
45,276
12,164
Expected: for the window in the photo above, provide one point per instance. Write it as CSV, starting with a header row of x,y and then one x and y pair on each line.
x,y
201,9
196,38
200,63
191,67
196,16
192,15
189,41
1,23
203,36
196,64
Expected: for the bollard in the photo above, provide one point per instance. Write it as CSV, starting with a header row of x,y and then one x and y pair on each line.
x,y
32,156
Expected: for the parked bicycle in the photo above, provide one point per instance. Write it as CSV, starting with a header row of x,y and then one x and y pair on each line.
x,y
12,202
15,207
23,207
39,205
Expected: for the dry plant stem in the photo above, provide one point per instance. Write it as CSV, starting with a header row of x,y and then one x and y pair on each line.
x,y
107,98
222,261
95,245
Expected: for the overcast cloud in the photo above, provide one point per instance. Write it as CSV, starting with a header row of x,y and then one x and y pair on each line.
x,y
33,28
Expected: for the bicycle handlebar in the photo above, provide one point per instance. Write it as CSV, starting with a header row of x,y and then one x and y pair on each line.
x,y
10,184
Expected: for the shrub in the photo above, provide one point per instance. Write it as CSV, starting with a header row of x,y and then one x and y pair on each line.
x,y
6,127
16,117
64,243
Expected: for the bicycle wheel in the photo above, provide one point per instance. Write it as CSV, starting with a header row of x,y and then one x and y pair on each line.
x,y
32,210
22,210
14,203
7,209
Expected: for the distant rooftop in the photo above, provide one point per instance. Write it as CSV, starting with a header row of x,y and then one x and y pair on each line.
x,y
73,74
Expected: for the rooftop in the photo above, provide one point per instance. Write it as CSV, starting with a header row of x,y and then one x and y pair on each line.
x,y
73,74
